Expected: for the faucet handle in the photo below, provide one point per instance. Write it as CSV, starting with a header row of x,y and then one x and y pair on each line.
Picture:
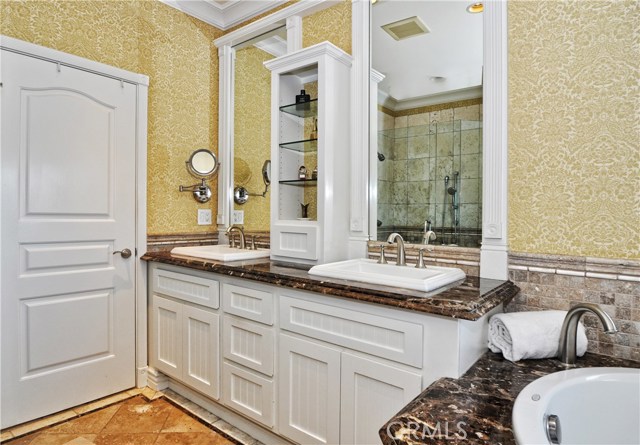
x,y
382,259
253,243
232,240
420,263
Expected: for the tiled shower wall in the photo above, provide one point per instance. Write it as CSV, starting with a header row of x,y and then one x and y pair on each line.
x,y
420,150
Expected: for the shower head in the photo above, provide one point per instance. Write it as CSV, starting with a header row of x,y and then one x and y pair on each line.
x,y
380,157
452,190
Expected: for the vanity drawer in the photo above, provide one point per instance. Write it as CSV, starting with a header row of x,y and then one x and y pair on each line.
x,y
195,289
396,340
248,393
248,343
248,303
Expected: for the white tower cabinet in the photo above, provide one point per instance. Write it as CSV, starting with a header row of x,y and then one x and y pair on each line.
x,y
306,136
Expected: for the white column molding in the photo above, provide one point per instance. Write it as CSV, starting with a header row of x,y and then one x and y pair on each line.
x,y
376,78
360,112
294,33
493,256
157,380
226,55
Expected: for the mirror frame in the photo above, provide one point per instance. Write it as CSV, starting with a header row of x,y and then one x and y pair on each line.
x,y
195,173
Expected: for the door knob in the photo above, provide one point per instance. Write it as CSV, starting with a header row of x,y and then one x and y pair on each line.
x,y
125,253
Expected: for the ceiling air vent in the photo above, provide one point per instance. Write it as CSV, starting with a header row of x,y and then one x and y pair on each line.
x,y
403,29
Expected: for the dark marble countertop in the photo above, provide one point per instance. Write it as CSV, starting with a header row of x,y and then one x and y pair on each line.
x,y
469,300
476,408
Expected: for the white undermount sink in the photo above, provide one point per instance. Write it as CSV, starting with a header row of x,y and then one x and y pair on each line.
x,y
408,277
220,252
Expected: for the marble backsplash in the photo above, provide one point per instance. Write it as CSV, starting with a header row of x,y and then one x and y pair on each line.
x,y
560,282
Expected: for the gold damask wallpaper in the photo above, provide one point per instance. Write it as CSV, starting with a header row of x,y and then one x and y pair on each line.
x,y
332,24
177,53
252,133
574,146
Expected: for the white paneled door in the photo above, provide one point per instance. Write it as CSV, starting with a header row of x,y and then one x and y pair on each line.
x,y
68,206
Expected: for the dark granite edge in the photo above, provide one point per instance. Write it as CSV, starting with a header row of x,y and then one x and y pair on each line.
x,y
443,303
482,399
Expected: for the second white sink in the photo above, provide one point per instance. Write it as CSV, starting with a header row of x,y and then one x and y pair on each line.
x,y
408,277
220,252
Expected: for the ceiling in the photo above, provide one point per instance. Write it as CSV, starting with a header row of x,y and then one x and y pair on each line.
x,y
451,50
224,14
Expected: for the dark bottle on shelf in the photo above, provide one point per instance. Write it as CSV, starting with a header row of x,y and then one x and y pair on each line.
x,y
302,97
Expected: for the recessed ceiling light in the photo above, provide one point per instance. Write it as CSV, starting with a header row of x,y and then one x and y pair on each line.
x,y
436,78
475,8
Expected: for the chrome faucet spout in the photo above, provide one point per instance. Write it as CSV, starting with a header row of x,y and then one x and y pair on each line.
x,y
240,231
567,348
397,238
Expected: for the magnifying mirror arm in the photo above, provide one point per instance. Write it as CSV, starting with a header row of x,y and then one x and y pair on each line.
x,y
263,194
201,192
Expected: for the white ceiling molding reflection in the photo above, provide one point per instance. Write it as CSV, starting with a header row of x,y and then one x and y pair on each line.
x,y
441,98
224,14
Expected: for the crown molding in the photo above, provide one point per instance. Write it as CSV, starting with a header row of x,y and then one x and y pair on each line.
x,y
226,15
391,103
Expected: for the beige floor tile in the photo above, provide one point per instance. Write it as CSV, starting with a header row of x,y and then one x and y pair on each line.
x,y
29,427
138,415
179,422
135,391
126,439
149,393
210,438
101,403
90,423
81,441
5,435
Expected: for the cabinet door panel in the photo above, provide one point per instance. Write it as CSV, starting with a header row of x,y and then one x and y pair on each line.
x,y
166,346
248,393
201,350
309,391
249,344
371,393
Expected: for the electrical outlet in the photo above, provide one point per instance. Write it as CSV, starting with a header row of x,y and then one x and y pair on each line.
x,y
204,217
238,217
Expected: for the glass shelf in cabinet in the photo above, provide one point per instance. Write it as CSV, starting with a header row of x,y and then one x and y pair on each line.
x,y
300,182
307,145
303,109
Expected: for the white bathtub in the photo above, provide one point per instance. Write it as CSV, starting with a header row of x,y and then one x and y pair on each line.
x,y
593,405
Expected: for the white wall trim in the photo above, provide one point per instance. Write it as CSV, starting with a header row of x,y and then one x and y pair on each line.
x,y
417,102
360,115
64,59
227,57
272,21
224,16
493,254
141,236
294,33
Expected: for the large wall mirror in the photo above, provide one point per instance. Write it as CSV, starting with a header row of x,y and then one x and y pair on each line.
x,y
252,122
429,120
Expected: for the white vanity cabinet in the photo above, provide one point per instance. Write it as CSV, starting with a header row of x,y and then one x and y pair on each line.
x,y
295,365
331,390
298,149
184,337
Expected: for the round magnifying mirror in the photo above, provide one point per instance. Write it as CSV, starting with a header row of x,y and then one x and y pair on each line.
x,y
266,172
202,163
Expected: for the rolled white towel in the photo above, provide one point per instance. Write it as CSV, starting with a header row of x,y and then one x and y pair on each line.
x,y
522,335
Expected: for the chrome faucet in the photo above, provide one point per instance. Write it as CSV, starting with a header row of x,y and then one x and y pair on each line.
x,y
396,237
569,332
240,231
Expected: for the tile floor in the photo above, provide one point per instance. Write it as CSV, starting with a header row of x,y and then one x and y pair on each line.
x,y
138,420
